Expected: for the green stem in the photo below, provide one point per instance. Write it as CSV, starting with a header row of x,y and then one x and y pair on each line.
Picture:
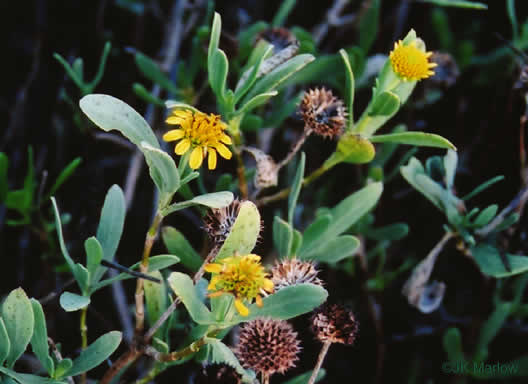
x,y
143,268
84,336
286,191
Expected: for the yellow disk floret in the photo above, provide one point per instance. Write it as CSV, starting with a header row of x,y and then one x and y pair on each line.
x,y
411,63
242,276
202,134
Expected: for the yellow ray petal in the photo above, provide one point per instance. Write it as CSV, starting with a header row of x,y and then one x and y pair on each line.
x,y
268,285
223,151
182,147
213,268
173,135
211,160
241,308
258,300
226,139
174,120
196,158
216,294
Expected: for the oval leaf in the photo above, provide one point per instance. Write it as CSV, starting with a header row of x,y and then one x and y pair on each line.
x,y
72,302
17,314
334,250
96,353
490,263
244,233
110,226
162,169
287,303
178,245
108,113
39,341
184,288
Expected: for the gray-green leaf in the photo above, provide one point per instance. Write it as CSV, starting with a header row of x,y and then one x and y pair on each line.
x,y
17,314
184,288
287,303
72,302
39,340
96,353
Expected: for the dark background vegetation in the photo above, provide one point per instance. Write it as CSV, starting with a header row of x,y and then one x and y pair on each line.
x,y
479,114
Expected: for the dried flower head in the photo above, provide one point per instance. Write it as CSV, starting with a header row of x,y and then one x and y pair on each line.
x,y
280,38
446,72
201,133
219,222
292,272
242,276
218,374
267,346
323,113
409,62
335,324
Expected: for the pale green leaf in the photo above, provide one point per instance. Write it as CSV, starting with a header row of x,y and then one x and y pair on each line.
x,y
39,340
421,139
110,226
17,314
72,302
96,353
109,113
287,303
184,288
244,233
178,245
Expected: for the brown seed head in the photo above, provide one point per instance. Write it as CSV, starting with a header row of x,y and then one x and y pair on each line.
x,y
294,271
446,72
280,38
334,323
218,374
267,346
218,222
323,113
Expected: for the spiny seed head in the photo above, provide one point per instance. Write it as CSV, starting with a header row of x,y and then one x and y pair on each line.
x,y
334,323
323,113
218,374
280,38
411,63
268,346
293,272
219,222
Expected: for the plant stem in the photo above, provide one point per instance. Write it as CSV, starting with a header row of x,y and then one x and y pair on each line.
x,y
143,267
295,148
197,276
286,191
265,378
84,336
320,359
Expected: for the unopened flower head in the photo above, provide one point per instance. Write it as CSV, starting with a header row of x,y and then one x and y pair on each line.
x,y
323,113
267,346
200,133
335,324
219,222
280,38
411,63
293,272
242,276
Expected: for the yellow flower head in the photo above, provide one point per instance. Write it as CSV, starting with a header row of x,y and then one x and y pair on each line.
x,y
411,63
201,133
242,276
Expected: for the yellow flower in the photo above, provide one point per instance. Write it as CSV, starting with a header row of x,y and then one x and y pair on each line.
x,y
242,276
411,63
202,134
